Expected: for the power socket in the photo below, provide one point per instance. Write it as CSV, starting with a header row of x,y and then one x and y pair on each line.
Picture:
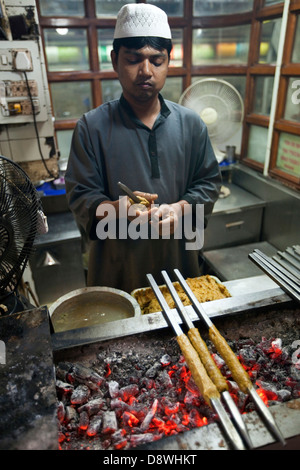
x,y
22,60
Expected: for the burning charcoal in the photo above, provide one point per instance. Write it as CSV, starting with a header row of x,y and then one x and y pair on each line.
x,y
164,380
118,439
191,399
118,435
241,400
84,420
195,419
80,395
110,424
277,344
121,444
92,407
113,388
85,375
218,360
71,414
129,419
172,408
284,395
117,403
233,386
61,412
148,383
265,345
128,391
63,389
61,436
269,389
296,391
62,370
153,371
138,439
146,423
94,425
248,356
165,360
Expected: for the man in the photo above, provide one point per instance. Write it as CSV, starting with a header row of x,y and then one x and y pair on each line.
x,y
156,147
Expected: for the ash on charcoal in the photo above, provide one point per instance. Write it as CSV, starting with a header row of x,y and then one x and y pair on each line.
x,y
146,392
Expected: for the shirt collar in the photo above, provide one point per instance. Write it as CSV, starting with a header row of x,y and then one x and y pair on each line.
x,y
164,111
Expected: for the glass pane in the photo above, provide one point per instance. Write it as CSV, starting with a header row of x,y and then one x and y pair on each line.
x,y
257,143
221,45
263,95
111,90
288,157
172,89
296,49
269,41
272,2
111,8
221,7
239,82
64,139
171,7
177,50
292,105
64,104
66,49
62,7
105,40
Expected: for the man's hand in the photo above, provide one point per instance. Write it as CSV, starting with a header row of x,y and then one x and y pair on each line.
x,y
124,206
166,217
142,211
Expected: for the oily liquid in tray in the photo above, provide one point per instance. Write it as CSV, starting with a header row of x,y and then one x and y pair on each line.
x,y
93,312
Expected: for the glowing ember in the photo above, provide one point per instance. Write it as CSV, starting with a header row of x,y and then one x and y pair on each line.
x,y
121,405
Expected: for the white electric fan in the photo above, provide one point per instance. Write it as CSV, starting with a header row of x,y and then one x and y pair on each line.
x,y
219,105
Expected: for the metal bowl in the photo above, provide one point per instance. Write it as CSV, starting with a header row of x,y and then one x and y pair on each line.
x,y
92,306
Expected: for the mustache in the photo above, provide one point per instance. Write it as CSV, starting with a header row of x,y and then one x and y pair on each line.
x,y
143,82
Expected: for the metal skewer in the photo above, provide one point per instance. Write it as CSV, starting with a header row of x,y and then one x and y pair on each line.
x,y
129,193
276,275
284,273
290,259
215,401
221,385
287,266
239,373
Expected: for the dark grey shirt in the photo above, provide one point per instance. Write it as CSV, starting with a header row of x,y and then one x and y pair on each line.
x,y
173,159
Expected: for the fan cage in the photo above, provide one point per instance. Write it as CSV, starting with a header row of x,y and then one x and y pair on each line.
x,y
19,205
217,97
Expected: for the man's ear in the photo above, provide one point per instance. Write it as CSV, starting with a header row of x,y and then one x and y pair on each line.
x,y
114,60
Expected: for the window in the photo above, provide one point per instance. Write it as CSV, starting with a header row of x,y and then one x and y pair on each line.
x,y
273,116
221,46
234,40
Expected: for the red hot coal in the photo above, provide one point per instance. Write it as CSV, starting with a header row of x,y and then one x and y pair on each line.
x,y
121,399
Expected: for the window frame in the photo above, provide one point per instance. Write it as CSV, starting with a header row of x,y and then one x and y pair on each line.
x,y
188,71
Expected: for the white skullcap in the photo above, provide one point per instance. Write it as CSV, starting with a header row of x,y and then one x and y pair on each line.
x,y
142,20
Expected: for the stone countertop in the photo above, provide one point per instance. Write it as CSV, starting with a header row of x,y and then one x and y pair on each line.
x,y
28,407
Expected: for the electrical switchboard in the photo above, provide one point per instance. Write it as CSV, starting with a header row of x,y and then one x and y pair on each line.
x,y
23,94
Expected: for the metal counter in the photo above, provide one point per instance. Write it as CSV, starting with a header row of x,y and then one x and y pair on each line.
x,y
247,294
236,219
56,263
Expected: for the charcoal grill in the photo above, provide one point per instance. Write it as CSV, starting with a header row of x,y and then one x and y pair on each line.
x,y
264,310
